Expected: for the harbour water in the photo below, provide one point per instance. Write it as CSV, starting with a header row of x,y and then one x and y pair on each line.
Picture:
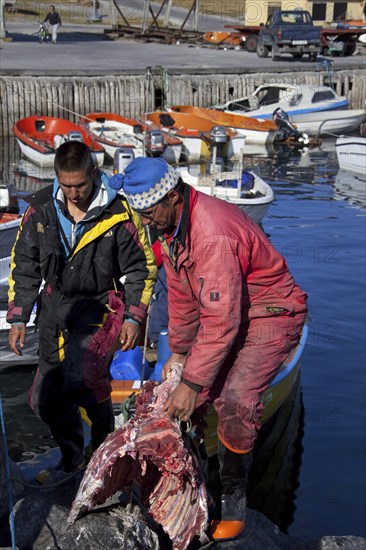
x,y
318,223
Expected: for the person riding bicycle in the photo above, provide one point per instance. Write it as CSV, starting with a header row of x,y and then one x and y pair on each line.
x,y
54,22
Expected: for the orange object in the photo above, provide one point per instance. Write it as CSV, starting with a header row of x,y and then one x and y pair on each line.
x,y
225,119
221,37
6,217
226,530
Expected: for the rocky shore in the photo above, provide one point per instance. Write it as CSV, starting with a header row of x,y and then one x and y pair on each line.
x,y
40,523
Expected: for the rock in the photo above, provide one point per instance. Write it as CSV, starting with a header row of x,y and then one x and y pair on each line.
x,y
17,488
344,543
41,524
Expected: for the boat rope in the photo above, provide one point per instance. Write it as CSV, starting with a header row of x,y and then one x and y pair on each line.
x,y
8,480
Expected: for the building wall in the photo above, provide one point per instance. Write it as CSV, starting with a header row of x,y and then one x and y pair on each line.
x,y
258,11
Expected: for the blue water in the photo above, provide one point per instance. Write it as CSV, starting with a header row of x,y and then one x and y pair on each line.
x,y
318,223
322,235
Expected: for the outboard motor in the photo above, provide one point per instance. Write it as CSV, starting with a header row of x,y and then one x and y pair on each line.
x,y
8,199
218,135
216,167
286,129
122,157
154,143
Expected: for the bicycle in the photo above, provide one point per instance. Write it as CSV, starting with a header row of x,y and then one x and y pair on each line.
x,y
43,34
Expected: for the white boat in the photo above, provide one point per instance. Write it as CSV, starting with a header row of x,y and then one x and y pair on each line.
x,y
350,187
224,185
294,99
351,154
114,131
329,122
7,357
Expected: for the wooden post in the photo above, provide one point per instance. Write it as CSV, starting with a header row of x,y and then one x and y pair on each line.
x,y
167,14
196,13
112,9
144,15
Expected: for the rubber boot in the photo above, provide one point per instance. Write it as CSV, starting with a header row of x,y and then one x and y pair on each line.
x,y
234,468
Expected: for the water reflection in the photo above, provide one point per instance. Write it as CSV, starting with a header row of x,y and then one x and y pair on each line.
x,y
351,188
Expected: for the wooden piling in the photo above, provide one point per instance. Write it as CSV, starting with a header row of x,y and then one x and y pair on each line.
x,y
132,95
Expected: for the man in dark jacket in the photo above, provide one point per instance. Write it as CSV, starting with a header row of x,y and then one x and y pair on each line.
x,y
80,239
54,21
235,315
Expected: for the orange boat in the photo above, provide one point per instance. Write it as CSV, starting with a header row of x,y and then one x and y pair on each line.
x,y
198,134
256,130
39,136
224,38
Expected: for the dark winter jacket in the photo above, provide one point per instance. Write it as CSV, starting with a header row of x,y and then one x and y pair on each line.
x,y
112,245
52,18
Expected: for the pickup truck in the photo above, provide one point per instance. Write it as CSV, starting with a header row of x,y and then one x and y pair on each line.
x,y
290,31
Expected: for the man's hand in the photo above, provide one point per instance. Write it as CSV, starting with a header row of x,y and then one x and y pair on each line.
x,y
181,402
129,335
17,334
174,358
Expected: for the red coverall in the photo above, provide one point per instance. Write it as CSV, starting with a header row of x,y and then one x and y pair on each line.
x,y
234,308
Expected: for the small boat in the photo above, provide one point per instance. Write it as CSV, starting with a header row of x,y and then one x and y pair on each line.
x,y
255,130
351,154
329,122
114,131
295,99
252,195
131,376
39,136
7,357
199,135
9,218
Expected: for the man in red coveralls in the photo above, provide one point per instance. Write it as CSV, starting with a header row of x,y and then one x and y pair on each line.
x,y
235,314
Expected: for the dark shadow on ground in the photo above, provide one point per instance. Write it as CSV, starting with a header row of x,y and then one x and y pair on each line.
x,y
63,38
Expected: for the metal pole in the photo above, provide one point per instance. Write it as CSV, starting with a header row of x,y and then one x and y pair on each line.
x,y
95,16
2,20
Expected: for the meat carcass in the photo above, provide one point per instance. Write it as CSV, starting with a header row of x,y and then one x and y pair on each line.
x,y
151,450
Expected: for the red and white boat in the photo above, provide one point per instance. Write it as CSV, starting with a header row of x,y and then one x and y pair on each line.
x,y
39,136
113,131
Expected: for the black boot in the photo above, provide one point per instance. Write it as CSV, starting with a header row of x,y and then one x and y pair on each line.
x,y
234,468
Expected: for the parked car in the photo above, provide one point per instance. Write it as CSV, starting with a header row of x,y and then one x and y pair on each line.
x,y
290,31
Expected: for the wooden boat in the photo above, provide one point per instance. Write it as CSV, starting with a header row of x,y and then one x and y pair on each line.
x,y
39,136
9,218
254,130
113,131
254,201
272,399
329,122
351,154
199,135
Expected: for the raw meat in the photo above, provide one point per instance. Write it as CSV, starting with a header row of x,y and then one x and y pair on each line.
x,y
151,450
